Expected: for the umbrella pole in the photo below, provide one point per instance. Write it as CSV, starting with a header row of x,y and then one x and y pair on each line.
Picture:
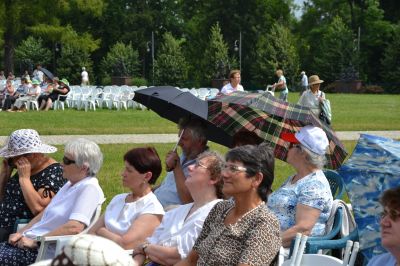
x,y
176,144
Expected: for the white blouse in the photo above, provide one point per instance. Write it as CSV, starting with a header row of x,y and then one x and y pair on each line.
x,y
175,231
120,215
72,202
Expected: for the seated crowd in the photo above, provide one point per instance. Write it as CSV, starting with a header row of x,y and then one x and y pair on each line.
x,y
207,210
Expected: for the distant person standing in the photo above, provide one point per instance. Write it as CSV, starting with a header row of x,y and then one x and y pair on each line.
x,y
281,85
85,77
2,77
234,84
304,82
38,74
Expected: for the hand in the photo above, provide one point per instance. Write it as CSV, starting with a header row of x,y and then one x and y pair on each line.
x,y
171,160
24,167
14,238
25,242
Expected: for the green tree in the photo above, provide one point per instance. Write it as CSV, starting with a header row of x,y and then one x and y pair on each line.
x,y
73,58
216,61
31,52
390,62
120,61
336,52
276,50
170,65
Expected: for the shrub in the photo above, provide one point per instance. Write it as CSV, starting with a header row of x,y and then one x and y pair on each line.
x,y
121,61
31,52
373,89
138,81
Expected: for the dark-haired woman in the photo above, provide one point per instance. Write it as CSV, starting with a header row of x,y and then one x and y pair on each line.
x,y
241,231
180,227
132,217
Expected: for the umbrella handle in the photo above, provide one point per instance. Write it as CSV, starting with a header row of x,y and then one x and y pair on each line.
x,y
179,139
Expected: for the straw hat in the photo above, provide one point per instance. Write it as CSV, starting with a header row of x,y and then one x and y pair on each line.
x,y
314,79
24,141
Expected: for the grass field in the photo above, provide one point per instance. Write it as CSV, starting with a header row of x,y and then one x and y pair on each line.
x,y
350,112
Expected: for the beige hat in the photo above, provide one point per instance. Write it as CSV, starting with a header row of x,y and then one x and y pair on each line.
x,y
314,79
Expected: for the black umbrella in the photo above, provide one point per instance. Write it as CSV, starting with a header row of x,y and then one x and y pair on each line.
x,y
173,104
47,73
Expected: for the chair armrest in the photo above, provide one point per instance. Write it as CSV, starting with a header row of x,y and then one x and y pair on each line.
x,y
313,246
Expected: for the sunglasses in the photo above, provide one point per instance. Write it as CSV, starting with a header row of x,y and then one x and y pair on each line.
x,y
393,214
67,161
199,164
233,168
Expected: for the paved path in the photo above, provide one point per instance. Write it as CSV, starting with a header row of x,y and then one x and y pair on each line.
x,y
168,138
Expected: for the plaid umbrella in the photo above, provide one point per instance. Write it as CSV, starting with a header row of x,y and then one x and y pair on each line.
x,y
268,117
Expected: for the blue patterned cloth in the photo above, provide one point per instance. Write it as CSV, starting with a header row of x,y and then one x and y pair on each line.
x,y
373,168
312,190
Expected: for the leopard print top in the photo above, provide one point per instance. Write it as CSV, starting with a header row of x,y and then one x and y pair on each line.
x,y
254,239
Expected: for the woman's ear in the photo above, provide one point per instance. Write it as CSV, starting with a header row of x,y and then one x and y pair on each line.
x,y
258,177
148,176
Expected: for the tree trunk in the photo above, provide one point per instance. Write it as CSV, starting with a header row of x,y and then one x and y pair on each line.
x,y
9,39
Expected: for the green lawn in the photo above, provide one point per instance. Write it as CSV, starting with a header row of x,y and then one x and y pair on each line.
x,y
350,112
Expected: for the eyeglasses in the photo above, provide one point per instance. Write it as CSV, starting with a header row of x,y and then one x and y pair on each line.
x,y
67,161
294,145
233,168
393,214
199,164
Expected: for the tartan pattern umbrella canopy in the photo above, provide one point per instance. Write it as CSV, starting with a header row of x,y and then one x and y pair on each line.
x,y
268,117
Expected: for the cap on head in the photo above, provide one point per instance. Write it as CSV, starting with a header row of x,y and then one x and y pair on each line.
x,y
311,137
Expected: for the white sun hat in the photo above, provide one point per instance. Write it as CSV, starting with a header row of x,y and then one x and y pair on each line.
x,y
24,141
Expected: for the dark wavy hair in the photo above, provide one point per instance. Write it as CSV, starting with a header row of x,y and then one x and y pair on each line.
x,y
391,198
256,159
145,160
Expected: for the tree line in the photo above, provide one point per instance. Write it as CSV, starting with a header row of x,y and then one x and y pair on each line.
x,y
195,41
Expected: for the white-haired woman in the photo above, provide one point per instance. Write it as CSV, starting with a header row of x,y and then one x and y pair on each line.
x,y
180,227
71,209
36,178
303,203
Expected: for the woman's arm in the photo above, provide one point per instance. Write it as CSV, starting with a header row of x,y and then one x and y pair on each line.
x,y
306,217
190,260
163,255
72,227
140,229
99,224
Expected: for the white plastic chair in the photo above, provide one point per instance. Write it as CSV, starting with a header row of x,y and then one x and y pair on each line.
x,y
270,90
50,246
203,93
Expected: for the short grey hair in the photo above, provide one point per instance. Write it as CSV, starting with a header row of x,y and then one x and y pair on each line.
x,y
85,153
313,158
196,127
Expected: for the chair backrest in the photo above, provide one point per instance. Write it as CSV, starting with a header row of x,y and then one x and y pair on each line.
x,y
316,259
336,183
51,246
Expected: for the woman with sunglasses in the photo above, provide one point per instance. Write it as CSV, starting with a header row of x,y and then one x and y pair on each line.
x,y
28,178
241,231
303,203
180,227
132,217
71,209
390,229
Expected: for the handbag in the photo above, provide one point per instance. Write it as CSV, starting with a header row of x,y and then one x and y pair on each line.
x,y
326,115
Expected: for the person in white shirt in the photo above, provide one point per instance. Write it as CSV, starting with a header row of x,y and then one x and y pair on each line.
x,y
71,209
304,82
180,227
38,74
85,77
233,85
132,217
